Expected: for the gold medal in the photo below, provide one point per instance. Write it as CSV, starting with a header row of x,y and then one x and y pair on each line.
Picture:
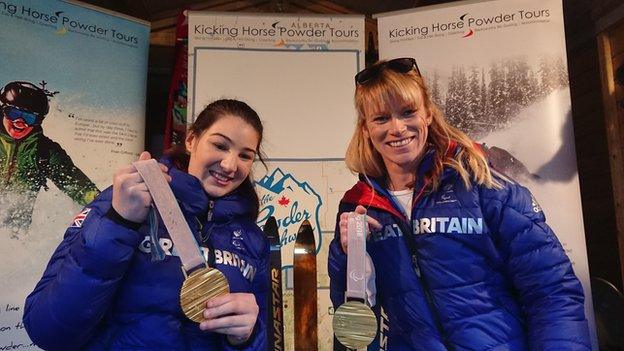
x,y
355,325
200,286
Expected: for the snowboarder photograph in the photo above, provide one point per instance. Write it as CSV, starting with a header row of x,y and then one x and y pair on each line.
x,y
28,159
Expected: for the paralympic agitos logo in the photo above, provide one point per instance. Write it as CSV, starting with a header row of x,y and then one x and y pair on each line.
x,y
467,24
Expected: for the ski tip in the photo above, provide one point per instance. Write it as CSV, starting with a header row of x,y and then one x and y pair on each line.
x,y
270,230
305,235
305,227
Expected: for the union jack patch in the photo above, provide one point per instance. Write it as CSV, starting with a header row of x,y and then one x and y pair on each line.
x,y
80,218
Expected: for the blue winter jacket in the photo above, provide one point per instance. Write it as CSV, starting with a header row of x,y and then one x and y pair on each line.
x,y
489,273
101,290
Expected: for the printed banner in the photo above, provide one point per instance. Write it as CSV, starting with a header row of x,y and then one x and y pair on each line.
x,y
297,73
498,70
72,99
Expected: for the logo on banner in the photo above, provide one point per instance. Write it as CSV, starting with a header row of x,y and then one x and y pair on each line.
x,y
468,24
311,29
290,201
470,32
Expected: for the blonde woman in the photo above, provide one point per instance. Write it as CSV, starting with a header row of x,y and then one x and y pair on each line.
x,y
463,257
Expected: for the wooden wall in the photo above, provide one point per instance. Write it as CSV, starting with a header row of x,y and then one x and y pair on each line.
x,y
611,55
592,146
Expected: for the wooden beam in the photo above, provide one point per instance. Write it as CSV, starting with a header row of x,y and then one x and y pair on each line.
x,y
136,9
321,6
280,6
614,121
165,37
617,41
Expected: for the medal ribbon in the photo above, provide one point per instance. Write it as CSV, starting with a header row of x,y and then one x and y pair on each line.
x,y
169,210
356,257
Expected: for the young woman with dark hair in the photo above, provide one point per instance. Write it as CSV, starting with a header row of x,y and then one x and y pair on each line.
x,y
107,288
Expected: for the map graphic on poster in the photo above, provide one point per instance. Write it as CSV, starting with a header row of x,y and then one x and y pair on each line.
x,y
506,91
72,100
297,73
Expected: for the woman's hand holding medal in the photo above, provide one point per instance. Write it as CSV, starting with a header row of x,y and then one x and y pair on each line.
x,y
373,224
131,199
232,314
355,324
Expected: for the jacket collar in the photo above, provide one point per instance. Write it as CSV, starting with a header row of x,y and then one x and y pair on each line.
x,y
371,192
193,200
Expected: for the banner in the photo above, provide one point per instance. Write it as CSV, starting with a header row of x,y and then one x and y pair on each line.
x,y
72,95
498,69
297,73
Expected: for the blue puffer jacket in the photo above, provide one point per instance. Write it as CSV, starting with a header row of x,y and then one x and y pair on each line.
x,y
493,275
101,290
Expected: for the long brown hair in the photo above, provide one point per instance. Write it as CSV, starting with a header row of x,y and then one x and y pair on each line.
x,y
206,118
362,157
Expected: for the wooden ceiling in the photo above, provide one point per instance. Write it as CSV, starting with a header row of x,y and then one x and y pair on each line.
x,y
155,10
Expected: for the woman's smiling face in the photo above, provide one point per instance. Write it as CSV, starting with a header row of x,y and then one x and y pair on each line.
x,y
398,131
222,156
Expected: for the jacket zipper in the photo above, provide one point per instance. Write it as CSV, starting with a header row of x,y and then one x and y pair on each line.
x,y
416,265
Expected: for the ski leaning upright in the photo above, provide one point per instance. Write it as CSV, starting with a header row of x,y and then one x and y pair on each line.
x,y
306,321
276,309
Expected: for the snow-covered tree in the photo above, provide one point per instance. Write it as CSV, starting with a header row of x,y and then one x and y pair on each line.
x,y
498,93
435,89
456,95
561,73
473,114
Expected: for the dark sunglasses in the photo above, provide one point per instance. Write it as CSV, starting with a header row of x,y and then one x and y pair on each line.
x,y
399,65
13,113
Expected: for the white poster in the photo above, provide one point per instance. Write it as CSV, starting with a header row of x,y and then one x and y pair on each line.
x,y
498,70
72,94
297,73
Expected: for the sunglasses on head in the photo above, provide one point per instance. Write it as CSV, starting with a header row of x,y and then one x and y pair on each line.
x,y
399,65
13,113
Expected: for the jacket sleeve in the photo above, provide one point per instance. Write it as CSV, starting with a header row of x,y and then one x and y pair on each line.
x,y
80,280
260,288
549,293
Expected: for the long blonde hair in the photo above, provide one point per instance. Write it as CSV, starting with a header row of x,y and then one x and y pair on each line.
x,y
362,157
